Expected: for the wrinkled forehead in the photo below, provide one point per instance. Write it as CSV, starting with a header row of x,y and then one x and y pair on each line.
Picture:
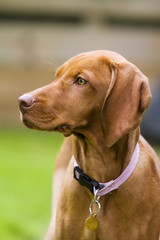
x,y
78,63
89,60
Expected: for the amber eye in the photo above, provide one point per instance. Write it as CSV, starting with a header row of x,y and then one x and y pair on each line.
x,y
81,81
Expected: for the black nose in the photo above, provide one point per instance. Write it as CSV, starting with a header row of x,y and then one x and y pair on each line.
x,y
26,101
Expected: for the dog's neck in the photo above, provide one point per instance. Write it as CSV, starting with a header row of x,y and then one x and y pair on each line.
x,y
100,162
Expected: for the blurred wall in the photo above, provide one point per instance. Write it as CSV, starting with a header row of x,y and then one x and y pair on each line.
x,y
37,36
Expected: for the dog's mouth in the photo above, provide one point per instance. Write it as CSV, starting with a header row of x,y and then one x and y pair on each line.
x,y
29,124
33,123
65,129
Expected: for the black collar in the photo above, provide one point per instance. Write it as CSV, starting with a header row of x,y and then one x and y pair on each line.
x,y
85,180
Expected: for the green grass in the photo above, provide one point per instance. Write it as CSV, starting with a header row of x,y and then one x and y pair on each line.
x,y
26,169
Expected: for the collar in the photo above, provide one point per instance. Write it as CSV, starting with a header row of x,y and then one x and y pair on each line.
x,y
102,189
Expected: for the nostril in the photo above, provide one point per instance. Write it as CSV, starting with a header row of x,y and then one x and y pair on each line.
x,y
26,100
24,104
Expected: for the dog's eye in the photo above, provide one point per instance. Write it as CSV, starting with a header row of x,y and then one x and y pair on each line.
x,y
81,81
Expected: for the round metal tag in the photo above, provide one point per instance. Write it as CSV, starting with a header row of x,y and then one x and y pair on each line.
x,y
91,223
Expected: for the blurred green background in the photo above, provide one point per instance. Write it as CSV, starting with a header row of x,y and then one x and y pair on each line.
x,y
36,36
26,169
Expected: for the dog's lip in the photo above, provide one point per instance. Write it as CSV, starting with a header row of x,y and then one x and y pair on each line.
x,y
29,124
60,128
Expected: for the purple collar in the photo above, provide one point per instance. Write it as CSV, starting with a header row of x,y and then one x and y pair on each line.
x,y
102,189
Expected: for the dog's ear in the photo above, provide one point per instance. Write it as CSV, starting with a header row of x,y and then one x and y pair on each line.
x,y
128,96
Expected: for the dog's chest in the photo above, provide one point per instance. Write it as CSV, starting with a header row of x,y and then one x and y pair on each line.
x,y
117,219
122,216
73,214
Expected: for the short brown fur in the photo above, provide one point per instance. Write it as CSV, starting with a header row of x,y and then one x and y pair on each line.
x,y
101,120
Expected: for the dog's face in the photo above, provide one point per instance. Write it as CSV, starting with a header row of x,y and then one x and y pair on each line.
x,y
72,100
99,87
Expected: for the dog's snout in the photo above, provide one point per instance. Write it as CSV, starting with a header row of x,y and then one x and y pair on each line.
x,y
26,101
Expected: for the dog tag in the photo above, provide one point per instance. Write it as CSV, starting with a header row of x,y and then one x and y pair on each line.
x,y
91,223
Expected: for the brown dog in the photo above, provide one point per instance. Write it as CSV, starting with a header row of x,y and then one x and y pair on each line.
x,y
99,98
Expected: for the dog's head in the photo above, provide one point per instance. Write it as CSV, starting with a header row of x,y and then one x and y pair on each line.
x,y
99,87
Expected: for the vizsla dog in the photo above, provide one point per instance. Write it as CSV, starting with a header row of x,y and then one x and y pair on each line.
x,y
97,102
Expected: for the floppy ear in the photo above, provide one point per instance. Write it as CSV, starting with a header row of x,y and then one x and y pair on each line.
x,y
128,96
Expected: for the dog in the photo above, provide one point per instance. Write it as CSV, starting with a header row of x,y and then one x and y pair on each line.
x,y
107,177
